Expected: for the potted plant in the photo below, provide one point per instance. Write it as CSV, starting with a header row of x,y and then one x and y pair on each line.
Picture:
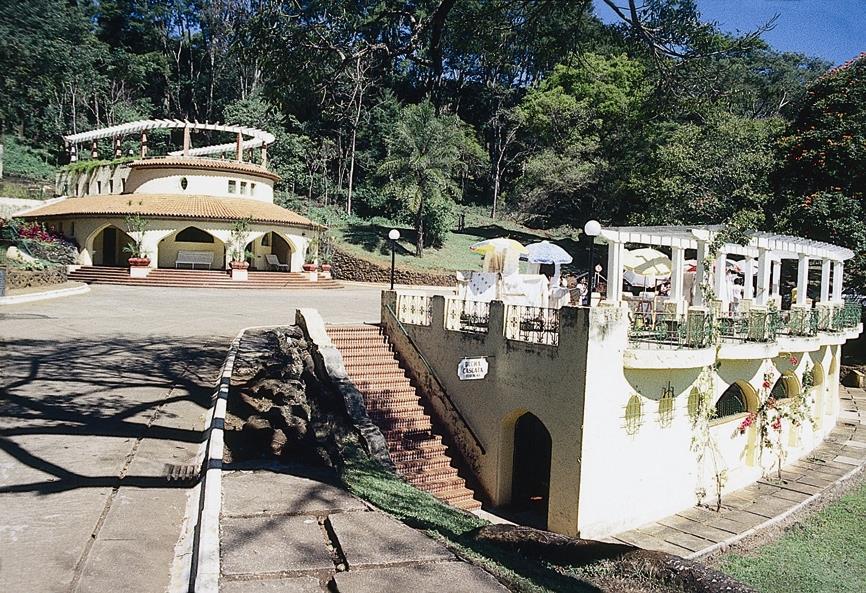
x,y
326,254
238,253
311,262
139,263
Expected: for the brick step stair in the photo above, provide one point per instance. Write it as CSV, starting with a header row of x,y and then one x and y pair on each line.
x,y
394,405
198,279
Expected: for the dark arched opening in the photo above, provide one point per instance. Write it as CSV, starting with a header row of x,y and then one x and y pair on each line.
x,y
109,247
530,485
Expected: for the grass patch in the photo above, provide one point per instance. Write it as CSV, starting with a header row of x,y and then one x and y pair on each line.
x,y
454,528
824,552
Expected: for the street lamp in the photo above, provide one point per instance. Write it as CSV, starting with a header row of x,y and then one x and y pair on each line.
x,y
591,229
393,234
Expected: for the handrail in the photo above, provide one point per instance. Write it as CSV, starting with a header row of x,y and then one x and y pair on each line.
x,y
438,382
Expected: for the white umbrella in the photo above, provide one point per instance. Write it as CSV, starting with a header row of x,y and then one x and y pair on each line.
x,y
500,254
645,267
545,252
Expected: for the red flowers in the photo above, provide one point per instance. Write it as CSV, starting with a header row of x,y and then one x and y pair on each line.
x,y
777,424
765,384
794,360
746,423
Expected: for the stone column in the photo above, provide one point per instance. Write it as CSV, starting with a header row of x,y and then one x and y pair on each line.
x,y
143,152
802,280
239,148
763,295
720,274
264,155
118,151
777,278
700,274
187,140
748,283
825,280
94,150
73,153
838,273
615,253
675,301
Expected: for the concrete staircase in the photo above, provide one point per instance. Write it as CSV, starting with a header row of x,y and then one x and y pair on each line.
x,y
395,407
198,278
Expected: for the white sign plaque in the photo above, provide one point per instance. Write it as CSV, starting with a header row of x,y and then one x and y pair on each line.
x,y
471,369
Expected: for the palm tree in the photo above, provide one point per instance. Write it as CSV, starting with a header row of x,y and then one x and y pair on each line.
x,y
424,159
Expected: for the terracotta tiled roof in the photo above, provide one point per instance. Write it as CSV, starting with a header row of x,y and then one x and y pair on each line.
x,y
202,163
174,206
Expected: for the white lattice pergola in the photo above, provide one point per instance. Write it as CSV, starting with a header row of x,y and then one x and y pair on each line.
x,y
246,138
767,248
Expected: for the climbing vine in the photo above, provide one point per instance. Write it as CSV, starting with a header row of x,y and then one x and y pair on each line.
x,y
703,444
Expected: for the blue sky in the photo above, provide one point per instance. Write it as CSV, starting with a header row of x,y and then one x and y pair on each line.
x,y
831,29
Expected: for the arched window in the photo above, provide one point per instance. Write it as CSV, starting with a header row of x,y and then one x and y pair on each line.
x,y
193,235
786,386
694,403
732,402
633,414
266,240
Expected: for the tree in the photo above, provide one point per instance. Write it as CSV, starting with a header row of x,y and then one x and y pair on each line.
x,y
423,164
707,173
822,183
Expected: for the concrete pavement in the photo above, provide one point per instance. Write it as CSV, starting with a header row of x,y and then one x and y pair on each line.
x,y
100,396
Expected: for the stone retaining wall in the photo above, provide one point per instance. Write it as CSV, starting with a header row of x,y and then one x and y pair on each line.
x,y
348,267
34,278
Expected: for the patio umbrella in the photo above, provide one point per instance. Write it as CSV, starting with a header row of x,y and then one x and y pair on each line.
x,y
546,252
645,266
733,266
500,254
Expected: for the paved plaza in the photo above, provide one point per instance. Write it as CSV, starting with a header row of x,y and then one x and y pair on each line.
x,y
103,394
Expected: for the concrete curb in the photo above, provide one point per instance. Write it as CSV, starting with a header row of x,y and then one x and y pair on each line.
x,y
16,299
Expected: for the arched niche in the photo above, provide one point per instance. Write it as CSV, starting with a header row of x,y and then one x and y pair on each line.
x,y
530,476
191,238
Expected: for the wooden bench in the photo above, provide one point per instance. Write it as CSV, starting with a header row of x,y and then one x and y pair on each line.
x,y
194,258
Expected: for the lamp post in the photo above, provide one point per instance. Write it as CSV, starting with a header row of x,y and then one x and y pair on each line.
x,y
591,229
393,235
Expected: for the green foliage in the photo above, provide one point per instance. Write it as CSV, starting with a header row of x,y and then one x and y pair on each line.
x,y
238,239
21,160
823,552
86,166
707,173
426,153
136,226
822,184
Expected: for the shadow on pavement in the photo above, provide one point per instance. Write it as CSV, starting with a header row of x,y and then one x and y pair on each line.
x,y
100,388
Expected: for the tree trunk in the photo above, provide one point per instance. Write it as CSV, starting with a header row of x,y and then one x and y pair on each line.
x,y
496,176
351,170
419,230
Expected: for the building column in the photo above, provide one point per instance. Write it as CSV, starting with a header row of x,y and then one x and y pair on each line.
x,y
264,155
700,274
825,280
73,153
763,295
118,150
615,253
143,146
187,140
720,277
94,150
802,280
838,273
239,148
678,268
776,276
748,279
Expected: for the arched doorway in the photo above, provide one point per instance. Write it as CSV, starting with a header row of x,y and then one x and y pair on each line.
x,y
270,243
108,247
191,238
530,478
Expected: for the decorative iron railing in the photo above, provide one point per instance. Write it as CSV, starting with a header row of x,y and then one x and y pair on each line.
x,y
414,309
851,315
799,322
467,316
536,325
658,328
749,326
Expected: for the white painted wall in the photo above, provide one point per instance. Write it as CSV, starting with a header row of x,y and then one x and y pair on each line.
x,y
200,182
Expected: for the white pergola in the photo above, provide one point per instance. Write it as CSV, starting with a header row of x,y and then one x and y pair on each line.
x,y
256,138
767,250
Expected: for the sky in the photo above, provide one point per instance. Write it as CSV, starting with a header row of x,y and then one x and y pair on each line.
x,y
831,29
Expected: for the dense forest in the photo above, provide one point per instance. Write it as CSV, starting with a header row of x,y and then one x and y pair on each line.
x,y
531,109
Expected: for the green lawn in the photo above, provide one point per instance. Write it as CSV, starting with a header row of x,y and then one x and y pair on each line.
x,y
368,239
825,552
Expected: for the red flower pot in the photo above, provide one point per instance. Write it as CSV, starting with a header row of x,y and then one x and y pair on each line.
x,y
326,267
310,267
139,262
239,265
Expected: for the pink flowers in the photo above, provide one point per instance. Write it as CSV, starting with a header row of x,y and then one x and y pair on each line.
x,y
777,424
765,384
794,360
746,423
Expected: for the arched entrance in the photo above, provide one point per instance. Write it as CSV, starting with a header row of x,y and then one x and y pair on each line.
x,y
270,243
530,478
191,238
108,247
